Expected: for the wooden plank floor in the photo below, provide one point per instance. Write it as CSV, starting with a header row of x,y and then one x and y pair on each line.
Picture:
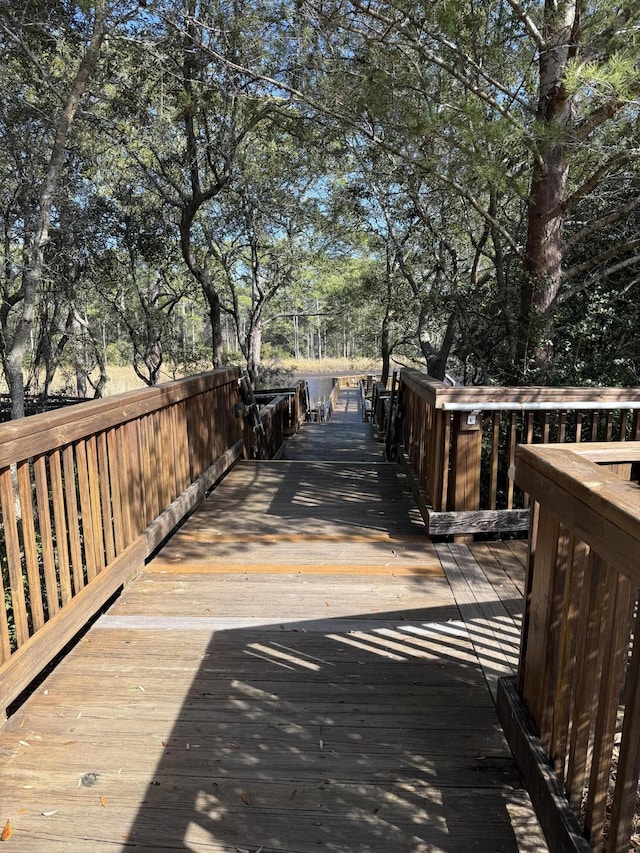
x,y
290,673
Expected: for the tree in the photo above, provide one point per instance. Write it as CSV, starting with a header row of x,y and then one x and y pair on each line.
x,y
31,57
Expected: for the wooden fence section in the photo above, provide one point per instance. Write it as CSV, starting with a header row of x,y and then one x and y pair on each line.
x,y
461,443
88,492
573,715
279,414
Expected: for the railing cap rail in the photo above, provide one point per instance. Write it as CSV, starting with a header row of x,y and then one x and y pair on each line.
x,y
41,433
505,398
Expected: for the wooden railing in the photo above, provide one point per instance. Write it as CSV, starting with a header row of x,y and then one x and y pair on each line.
x,y
461,443
280,415
87,493
573,716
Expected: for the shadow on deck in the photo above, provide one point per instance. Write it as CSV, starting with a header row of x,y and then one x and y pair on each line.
x,y
292,672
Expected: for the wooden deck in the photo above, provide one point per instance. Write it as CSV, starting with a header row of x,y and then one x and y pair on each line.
x,y
294,671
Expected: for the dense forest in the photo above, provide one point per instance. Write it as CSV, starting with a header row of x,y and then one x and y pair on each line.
x,y
452,183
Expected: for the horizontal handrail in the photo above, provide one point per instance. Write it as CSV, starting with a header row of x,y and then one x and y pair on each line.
x,y
547,406
579,672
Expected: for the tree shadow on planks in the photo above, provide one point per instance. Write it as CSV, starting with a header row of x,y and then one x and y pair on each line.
x,y
272,503
355,733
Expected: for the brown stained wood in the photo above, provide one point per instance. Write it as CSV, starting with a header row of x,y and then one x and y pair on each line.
x,y
601,508
14,557
562,830
624,420
578,556
511,455
579,421
495,561
466,453
589,664
41,433
104,480
495,450
90,546
289,710
73,519
168,491
554,634
494,635
539,618
120,466
609,426
546,427
46,535
170,517
32,564
179,443
150,505
5,641
220,567
562,428
628,769
97,521
441,438
28,661
595,422
615,621
133,485
61,529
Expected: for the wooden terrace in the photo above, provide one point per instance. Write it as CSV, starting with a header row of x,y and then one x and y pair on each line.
x,y
281,659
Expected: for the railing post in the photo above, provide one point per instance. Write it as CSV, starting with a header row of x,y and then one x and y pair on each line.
x,y
466,454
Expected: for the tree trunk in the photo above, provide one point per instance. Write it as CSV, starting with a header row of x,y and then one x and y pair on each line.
x,y
254,351
545,229
385,349
14,355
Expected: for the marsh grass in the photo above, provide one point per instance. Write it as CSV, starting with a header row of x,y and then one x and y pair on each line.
x,y
123,379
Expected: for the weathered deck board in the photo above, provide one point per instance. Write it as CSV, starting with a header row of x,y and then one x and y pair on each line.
x,y
291,673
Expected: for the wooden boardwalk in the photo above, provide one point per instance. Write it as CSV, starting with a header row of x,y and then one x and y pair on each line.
x,y
291,673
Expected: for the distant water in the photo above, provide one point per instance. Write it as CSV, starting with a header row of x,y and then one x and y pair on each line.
x,y
319,387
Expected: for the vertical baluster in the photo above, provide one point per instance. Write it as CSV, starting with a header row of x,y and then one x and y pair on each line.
x,y
92,565
495,453
104,482
14,556
628,770
30,545
60,521
588,669
513,436
46,535
615,634
578,555
71,498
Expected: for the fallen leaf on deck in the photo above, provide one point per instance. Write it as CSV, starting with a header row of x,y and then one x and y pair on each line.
x,y
48,814
23,743
141,688
293,793
103,802
69,742
7,832
246,798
